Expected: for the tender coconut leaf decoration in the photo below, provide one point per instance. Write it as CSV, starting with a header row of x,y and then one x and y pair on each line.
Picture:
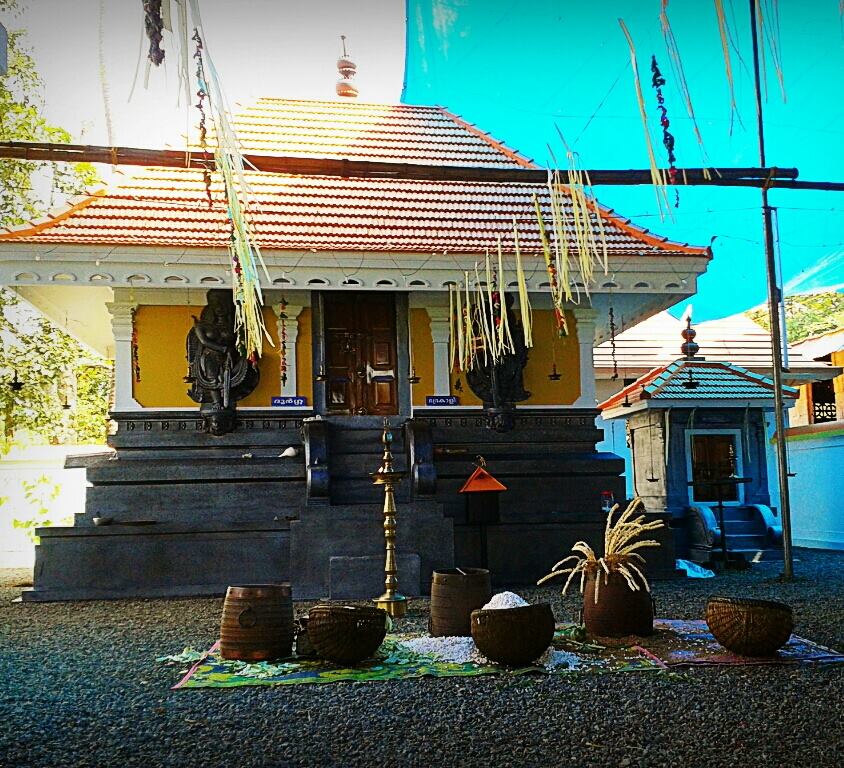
x,y
479,326
620,552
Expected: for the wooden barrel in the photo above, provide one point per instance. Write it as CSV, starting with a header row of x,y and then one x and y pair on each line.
x,y
455,593
257,622
620,611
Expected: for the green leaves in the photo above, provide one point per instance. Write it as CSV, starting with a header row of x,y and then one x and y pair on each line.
x,y
21,106
55,370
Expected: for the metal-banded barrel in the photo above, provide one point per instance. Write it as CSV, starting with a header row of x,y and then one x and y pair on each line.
x,y
455,593
257,622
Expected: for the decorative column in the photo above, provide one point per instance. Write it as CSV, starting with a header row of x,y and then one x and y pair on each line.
x,y
440,334
292,330
121,328
586,340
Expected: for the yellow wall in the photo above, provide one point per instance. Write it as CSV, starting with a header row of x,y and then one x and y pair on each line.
x,y
540,359
304,358
422,347
161,353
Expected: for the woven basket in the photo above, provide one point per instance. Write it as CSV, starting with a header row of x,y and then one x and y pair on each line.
x,y
749,627
346,634
513,636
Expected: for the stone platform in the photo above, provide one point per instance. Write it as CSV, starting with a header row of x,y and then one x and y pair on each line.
x,y
180,512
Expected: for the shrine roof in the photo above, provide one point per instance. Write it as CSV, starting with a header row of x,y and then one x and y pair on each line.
x,y
168,207
736,339
713,381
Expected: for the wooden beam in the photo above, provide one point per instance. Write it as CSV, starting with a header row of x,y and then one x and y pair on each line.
x,y
308,166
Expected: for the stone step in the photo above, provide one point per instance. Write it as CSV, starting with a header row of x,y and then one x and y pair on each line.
x,y
755,527
736,513
355,491
196,470
362,441
360,465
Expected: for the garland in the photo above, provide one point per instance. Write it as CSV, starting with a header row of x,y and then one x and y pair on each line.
x,y
243,248
282,346
680,77
657,178
136,361
154,26
667,137
200,106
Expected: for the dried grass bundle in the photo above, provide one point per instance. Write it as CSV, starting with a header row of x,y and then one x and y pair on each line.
x,y
620,552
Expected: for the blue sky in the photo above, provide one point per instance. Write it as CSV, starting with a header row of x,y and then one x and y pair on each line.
x,y
519,69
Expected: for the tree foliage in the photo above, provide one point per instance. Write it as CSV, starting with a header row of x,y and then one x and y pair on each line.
x,y
807,315
21,107
55,371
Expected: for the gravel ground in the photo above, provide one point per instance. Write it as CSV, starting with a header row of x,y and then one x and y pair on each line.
x,y
80,687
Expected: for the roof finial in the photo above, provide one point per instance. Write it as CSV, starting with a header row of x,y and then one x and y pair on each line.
x,y
689,347
347,68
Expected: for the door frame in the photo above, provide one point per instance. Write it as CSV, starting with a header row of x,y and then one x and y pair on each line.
x,y
402,354
739,437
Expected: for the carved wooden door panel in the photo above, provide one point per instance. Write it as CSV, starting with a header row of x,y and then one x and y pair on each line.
x,y
360,344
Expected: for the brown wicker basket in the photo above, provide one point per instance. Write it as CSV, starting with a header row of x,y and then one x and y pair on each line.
x,y
749,627
513,636
346,634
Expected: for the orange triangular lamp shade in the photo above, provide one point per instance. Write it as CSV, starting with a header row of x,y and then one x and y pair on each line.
x,y
482,481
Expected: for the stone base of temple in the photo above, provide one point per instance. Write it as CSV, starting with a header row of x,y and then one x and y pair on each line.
x,y
176,512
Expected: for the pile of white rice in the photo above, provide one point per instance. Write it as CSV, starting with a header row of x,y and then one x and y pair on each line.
x,y
462,650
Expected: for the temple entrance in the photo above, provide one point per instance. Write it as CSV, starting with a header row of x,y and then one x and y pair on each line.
x,y
360,353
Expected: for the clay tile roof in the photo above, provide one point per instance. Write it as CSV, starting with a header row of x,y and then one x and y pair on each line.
x,y
736,339
714,381
168,206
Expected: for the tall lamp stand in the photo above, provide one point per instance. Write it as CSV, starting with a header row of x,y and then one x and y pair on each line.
x,y
392,601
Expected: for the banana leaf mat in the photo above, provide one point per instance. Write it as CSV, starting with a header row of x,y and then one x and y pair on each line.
x,y
675,643
392,662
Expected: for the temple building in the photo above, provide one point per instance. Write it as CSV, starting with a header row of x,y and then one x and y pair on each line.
x,y
357,310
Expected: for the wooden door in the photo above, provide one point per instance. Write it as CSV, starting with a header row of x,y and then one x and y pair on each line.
x,y
360,351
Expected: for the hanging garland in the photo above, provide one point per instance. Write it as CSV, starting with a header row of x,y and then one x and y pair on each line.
x,y
282,342
657,178
136,360
200,106
154,26
612,344
667,137
682,84
243,248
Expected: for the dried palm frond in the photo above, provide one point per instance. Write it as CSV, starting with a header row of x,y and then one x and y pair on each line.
x,y
619,552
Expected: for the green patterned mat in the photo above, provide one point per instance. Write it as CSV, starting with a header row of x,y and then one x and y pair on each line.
x,y
209,670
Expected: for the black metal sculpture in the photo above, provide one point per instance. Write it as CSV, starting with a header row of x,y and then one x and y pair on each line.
x,y
501,385
218,374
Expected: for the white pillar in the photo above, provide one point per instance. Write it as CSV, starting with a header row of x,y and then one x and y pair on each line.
x,y
292,330
440,334
121,327
586,341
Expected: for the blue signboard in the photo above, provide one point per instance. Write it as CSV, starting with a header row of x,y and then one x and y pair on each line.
x,y
289,402
442,400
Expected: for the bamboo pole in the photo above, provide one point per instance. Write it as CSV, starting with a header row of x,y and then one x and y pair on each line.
x,y
774,298
176,158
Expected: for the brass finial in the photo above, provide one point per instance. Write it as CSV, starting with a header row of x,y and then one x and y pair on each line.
x,y
347,68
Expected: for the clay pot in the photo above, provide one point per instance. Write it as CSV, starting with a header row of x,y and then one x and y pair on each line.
x,y
620,611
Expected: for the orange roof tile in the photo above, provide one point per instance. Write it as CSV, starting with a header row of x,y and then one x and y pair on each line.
x,y
168,207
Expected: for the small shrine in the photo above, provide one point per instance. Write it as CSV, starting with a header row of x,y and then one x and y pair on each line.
x,y
698,442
